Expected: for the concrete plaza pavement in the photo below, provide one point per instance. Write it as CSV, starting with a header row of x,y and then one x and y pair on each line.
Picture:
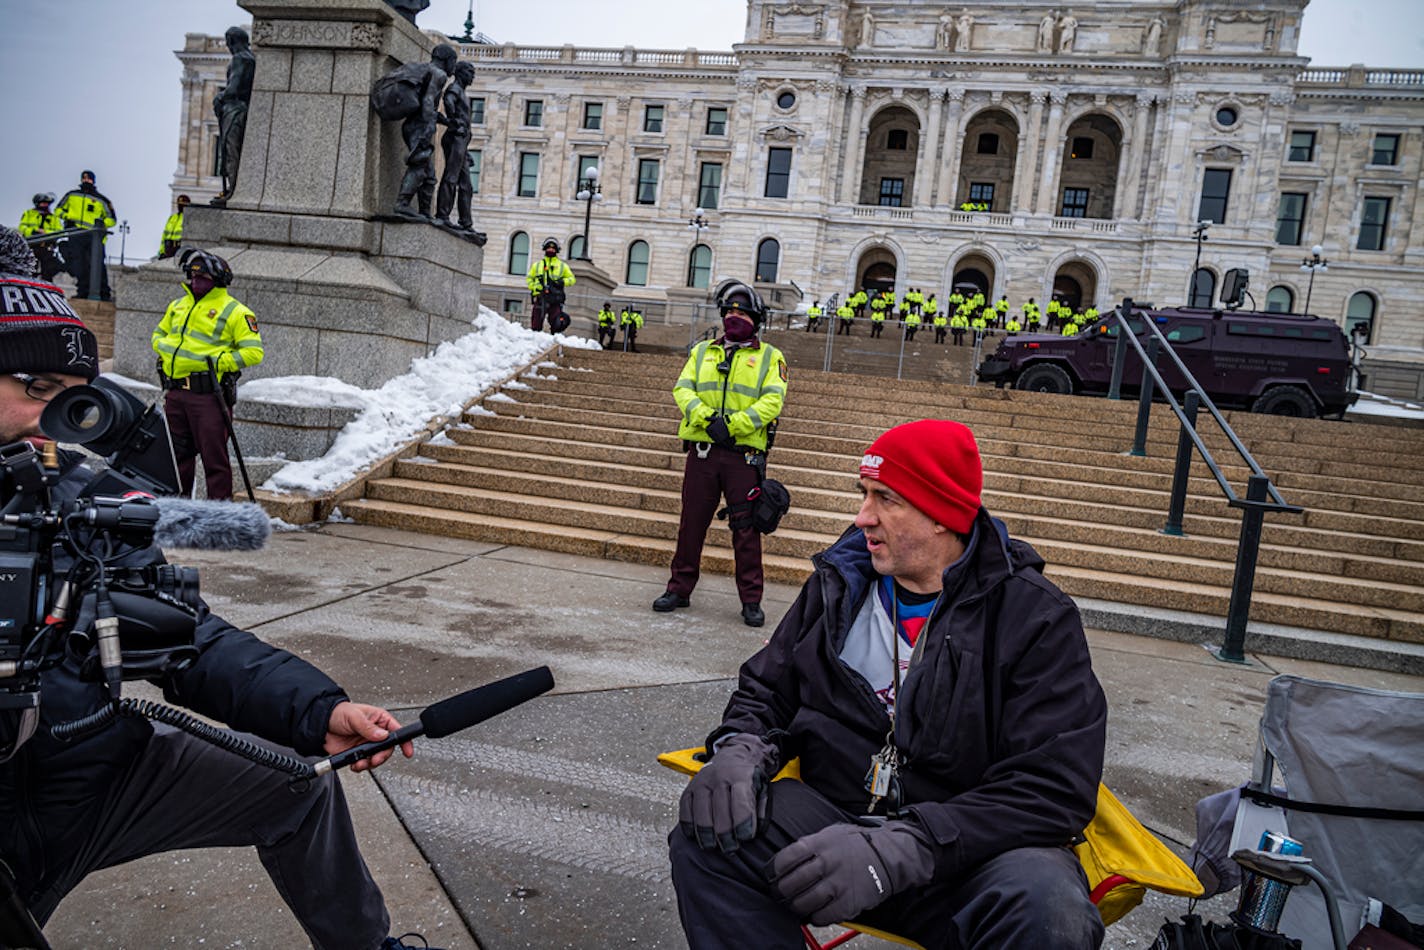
x,y
545,827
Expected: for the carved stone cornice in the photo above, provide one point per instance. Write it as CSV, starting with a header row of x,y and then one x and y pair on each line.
x,y
781,133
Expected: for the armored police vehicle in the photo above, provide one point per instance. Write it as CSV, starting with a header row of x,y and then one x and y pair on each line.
x,y
1284,364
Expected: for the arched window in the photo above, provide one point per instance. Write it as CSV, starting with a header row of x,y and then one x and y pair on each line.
x,y
1361,312
768,259
699,267
519,253
576,249
637,273
1203,289
1280,299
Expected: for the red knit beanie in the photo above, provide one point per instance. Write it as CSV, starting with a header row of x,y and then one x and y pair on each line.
x,y
934,465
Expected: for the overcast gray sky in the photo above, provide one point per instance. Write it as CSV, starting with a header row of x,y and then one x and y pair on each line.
x,y
118,112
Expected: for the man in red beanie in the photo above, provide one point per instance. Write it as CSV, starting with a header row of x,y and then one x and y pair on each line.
x,y
945,817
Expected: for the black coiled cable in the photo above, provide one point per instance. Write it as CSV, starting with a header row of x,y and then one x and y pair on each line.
x,y
223,739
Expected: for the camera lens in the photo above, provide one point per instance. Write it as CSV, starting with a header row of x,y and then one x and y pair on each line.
x,y
98,416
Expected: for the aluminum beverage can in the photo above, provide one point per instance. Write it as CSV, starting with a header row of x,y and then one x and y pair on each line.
x,y
1263,899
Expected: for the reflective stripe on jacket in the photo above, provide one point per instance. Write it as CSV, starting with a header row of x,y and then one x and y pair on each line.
x,y
218,326
86,209
173,229
749,396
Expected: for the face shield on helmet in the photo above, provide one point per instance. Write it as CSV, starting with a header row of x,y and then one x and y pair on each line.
x,y
551,244
197,263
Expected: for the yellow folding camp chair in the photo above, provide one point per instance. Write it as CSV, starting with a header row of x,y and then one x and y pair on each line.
x,y
1121,857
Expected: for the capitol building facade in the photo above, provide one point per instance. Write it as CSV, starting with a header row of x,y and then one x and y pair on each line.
x,y
1032,148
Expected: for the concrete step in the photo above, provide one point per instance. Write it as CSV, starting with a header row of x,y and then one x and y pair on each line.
x,y
571,434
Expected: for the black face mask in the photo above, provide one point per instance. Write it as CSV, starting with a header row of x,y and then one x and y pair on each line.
x,y
200,284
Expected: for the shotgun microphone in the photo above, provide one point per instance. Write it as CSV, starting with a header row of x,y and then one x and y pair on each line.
x,y
451,715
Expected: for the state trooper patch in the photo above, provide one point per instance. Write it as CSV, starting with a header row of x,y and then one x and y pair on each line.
x,y
782,370
252,323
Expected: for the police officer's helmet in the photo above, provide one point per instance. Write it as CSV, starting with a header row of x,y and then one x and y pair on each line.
x,y
738,296
184,200
551,242
44,198
197,261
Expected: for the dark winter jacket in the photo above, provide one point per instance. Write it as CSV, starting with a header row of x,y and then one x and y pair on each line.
x,y
51,792
1001,721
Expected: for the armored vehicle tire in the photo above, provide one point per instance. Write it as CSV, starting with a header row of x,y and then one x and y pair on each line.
x,y
1286,401
1045,378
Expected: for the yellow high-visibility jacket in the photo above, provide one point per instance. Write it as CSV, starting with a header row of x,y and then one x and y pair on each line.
x,y
606,318
749,396
845,312
172,234
34,221
632,318
84,210
558,273
218,326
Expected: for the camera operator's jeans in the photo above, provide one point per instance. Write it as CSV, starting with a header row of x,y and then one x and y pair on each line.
x,y
184,793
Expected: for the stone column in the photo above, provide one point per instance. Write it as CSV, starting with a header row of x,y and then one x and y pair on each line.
x,y
496,181
926,177
1026,168
559,158
1053,148
854,136
1129,180
950,149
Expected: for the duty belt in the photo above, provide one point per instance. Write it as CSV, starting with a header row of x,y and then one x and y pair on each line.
x,y
195,383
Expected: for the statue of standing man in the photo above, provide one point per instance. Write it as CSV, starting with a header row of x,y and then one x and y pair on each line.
x,y
230,104
456,190
411,93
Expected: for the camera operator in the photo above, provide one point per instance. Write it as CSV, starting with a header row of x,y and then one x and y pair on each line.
x,y
137,788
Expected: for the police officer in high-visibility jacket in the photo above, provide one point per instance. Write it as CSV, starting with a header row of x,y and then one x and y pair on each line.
x,y
173,229
205,339
813,315
86,207
607,325
847,316
40,220
730,391
548,276
632,320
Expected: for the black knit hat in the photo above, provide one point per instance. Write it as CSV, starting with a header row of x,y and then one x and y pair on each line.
x,y
39,331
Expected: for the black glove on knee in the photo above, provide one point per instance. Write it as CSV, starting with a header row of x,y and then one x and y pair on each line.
x,y
845,869
725,803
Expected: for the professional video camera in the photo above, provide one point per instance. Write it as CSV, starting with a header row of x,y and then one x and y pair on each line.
x,y
118,622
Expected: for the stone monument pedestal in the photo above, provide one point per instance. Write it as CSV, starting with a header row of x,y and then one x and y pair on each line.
x,y
337,290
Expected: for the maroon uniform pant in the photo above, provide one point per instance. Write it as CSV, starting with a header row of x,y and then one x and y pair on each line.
x,y
723,474
198,427
545,308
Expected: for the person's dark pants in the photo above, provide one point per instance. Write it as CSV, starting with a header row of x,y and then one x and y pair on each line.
x,y
49,260
545,306
184,793
811,324
910,333
845,328
198,427
705,483
876,328
958,336
630,338
610,333
1027,897
939,334
82,250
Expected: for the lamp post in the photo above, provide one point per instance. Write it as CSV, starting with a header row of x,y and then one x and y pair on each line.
x,y
1312,264
588,193
698,222
123,230
1199,233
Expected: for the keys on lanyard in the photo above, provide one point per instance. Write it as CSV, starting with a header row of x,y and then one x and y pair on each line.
x,y
883,780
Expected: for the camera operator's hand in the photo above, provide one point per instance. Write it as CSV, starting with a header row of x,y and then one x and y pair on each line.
x,y
354,723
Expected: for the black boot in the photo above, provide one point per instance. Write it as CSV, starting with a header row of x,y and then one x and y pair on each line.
x,y
752,615
670,601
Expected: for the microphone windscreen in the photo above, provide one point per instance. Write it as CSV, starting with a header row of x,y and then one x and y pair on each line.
x,y
476,705
211,525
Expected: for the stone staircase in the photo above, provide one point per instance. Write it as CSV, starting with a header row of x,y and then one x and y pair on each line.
x,y
586,460
98,316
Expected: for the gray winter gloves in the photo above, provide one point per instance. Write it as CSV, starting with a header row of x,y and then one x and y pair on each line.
x,y
844,870
725,802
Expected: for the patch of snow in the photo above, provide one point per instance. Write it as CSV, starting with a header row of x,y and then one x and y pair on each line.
x,y
440,438
501,397
279,525
436,385
478,411
336,517
1371,404
516,384
313,392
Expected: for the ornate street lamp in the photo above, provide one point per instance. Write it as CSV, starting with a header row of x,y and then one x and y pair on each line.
x,y
1312,264
698,222
588,193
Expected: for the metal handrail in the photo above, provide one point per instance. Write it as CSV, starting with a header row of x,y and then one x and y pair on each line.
x,y
1255,505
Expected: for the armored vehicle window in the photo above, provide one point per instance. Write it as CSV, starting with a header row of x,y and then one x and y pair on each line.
x,y
1186,335
1112,326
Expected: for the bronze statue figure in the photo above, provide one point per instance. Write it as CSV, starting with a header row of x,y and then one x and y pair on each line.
x,y
409,8
230,104
455,187
411,94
